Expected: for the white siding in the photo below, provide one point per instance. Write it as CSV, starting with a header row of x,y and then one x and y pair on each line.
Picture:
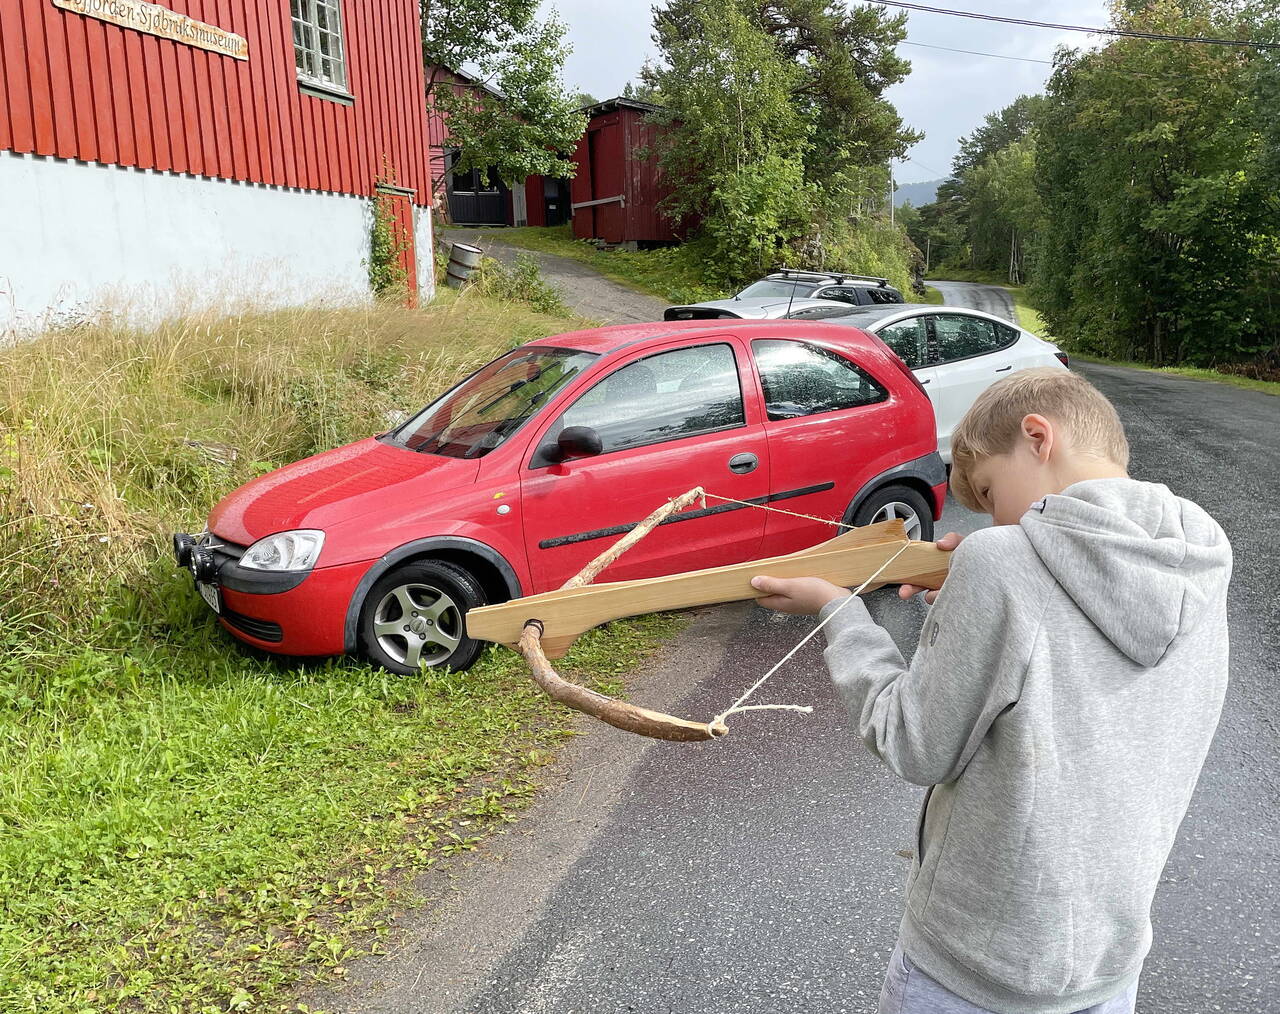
x,y
76,237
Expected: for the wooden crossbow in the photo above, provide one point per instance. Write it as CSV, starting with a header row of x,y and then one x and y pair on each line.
x,y
543,627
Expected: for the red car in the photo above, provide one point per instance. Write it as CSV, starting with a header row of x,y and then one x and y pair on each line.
x,y
513,480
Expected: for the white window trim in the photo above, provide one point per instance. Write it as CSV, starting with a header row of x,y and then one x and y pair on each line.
x,y
340,88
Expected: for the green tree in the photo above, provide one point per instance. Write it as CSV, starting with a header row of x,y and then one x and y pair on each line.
x,y
517,119
777,132
1154,167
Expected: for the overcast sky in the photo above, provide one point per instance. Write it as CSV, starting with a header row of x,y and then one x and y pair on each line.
x,y
945,96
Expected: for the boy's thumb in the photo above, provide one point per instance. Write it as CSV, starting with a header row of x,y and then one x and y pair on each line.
x,y
763,584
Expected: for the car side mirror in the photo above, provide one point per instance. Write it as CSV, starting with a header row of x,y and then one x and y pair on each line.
x,y
573,442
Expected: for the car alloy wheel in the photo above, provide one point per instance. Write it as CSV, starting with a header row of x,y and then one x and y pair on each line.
x,y
898,509
417,623
414,616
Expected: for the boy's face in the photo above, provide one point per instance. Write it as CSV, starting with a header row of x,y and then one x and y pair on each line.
x,y
1007,484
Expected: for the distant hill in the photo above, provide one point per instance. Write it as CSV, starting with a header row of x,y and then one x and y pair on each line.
x,y
917,193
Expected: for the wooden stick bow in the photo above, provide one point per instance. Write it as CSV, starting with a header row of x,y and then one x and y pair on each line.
x,y
543,627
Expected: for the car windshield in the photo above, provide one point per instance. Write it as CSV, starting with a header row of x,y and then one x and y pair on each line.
x,y
768,287
491,404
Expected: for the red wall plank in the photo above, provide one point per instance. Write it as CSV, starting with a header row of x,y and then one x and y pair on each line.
x,y
17,90
81,88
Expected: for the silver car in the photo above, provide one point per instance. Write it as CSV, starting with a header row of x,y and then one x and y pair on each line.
x,y
785,292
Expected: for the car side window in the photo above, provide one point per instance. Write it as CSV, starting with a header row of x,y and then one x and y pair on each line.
x,y
842,294
881,294
800,380
664,397
960,337
909,339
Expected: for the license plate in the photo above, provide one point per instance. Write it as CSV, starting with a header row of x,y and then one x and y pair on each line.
x,y
211,595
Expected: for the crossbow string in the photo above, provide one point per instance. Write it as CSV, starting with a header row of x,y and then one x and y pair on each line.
x,y
630,717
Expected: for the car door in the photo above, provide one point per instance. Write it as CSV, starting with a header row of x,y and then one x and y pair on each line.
x,y
829,424
668,421
967,362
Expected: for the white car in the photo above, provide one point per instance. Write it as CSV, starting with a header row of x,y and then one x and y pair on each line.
x,y
754,308
956,353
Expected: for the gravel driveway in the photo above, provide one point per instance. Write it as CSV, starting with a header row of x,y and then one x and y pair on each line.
x,y
581,288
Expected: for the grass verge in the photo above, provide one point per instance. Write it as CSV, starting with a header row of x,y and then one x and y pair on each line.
x,y
185,827
1190,372
670,273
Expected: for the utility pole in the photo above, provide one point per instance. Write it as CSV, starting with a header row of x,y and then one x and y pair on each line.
x,y
891,193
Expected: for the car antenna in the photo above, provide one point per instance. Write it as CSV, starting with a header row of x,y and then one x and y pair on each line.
x,y
791,298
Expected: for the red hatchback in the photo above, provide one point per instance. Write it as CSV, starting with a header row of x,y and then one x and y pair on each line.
x,y
510,483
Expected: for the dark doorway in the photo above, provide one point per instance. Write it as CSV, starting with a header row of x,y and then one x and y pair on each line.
x,y
555,200
477,197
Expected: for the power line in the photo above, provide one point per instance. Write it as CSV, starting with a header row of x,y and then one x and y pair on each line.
x,y
974,52
1118,32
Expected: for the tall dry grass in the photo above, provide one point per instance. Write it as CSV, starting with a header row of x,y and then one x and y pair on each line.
x,y
110,437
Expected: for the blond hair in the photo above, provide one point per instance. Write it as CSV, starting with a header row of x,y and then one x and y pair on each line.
x,y
1084,419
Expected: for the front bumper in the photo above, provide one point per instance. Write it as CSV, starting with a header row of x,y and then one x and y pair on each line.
x,y
290,613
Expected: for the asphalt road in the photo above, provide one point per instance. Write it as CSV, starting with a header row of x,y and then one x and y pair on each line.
x,y
764,872
991,298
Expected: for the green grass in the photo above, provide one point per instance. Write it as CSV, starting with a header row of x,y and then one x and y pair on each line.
x,y
184,826
1029,318
932,295
670,273
1191,372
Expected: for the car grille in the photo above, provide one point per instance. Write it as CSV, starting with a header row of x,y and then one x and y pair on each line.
x,y
261,630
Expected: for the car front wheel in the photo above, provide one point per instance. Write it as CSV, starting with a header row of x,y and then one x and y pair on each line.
x,y
414,617
901,502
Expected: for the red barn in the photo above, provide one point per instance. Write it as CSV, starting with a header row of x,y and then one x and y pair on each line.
x,y
206,150
618,189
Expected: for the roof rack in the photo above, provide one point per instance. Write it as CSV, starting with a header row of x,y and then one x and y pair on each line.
x,y
840,276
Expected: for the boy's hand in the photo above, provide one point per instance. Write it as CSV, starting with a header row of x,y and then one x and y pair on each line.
x,y
948,541
804,596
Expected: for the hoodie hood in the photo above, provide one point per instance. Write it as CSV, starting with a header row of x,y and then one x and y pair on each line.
x,y
1139,562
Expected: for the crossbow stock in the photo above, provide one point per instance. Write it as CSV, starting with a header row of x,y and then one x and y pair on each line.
x,y
543,627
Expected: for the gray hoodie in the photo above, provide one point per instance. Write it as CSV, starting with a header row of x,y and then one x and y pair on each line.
x,y
1066,686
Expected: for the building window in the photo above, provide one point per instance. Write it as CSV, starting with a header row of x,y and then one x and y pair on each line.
x,y
317,42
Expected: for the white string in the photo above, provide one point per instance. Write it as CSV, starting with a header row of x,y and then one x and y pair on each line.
x,y
737,706
776,510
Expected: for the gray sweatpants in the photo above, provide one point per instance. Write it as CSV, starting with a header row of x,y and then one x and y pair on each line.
x,y
908,990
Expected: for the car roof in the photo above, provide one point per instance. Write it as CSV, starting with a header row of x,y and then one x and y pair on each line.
x,y
614,338
869,316
844,278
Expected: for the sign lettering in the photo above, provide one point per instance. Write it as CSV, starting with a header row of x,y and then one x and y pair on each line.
x,y
156,20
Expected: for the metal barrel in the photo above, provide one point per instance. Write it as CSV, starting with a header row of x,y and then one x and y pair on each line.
x,y
463,259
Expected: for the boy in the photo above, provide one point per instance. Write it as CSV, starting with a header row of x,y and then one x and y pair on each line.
x,y
1066,686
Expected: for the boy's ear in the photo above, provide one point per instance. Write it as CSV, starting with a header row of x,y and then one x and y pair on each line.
x,y
1038,432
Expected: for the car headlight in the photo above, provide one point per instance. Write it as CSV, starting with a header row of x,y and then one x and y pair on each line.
x,y
284,551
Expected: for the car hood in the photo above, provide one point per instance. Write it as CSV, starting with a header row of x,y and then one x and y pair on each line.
x,y
333,487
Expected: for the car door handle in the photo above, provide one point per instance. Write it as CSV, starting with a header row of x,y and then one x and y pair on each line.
x,y
743,463
927,380
1005,369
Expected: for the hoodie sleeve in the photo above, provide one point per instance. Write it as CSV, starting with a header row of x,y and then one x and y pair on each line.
x,y
926,720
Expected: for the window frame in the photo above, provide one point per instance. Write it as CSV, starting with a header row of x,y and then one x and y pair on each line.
x,y
314,82
935,347
536,460
886,392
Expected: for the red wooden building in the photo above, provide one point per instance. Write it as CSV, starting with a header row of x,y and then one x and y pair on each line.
x,y
213,140
618,190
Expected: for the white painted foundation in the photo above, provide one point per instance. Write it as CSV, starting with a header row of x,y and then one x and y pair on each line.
x,y
80,237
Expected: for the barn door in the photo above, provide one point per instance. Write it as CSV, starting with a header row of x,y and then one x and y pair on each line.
x,y
397,203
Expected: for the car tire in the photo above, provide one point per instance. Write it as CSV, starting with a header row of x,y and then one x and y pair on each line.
x,y
900,502
415,616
